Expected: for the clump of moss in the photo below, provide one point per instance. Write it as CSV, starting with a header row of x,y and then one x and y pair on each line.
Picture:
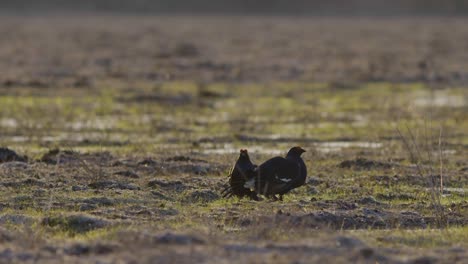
x,y
200,196
75,224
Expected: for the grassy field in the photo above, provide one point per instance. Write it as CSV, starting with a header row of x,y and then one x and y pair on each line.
x,y
128,126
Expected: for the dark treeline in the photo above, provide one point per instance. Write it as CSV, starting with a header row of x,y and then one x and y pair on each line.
x,y
304,7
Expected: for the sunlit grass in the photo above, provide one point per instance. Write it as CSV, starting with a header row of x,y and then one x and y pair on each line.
x,y
425,238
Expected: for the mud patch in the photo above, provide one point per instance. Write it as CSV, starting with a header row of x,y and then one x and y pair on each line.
x,y
78,188
177,186
68,157
160,195
349,242
57,156
180,99
150,212
365,164
186,49
369,200
83,249
185,159
148,162
9,256
113,185
338,204
6,236
75,223
396,196
194,168
178,239
27,182
16,219
354,219
197,169
201,196
127,174
100,201
14,165
182,165
7,155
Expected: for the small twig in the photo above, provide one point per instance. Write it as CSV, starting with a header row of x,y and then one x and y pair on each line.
x,y
416,157
441,162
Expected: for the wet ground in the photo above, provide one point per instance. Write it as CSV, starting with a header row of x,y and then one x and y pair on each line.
x,y
118,134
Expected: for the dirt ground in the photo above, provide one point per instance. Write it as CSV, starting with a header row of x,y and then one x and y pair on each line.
x,y
118,132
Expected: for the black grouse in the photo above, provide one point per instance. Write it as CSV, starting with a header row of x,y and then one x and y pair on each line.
x,y
279,175
243,170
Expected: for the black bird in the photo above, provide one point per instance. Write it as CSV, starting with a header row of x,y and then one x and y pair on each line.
x,y
243,170
279,175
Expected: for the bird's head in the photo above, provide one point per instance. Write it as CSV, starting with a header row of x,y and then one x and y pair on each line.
x,y
296,151
244,153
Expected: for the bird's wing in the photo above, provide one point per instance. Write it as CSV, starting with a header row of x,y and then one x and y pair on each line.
x,y
292,183
230,171
246,171
280,174
279,170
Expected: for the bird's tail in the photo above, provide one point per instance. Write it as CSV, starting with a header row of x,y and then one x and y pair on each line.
x,y
227,192
234,186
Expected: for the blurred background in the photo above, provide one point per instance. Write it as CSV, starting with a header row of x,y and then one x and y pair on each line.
x,y
303,70
316,7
